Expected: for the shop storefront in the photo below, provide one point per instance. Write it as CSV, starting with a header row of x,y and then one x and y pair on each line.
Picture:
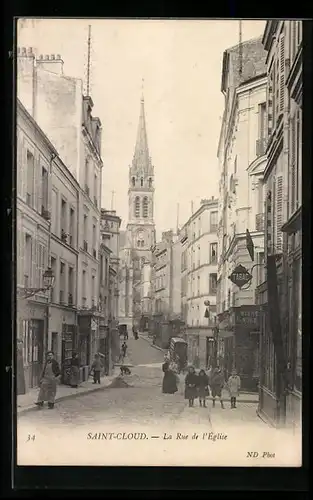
x,y
104,346
31,321
238,338
69,345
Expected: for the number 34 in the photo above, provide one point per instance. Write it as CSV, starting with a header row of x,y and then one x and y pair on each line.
x,y
30,437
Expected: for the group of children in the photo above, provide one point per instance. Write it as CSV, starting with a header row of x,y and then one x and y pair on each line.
x,y
199,385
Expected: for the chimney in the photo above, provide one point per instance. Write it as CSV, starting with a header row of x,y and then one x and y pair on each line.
x,y
52,63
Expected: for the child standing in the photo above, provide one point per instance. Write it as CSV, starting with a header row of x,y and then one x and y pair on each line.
x,y
203,389
96,367
233,384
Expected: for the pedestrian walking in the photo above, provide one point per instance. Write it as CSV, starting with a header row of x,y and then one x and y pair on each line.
x,y
124,349
217,383
75,365
126,334
233,385
96,368
169,385
203,387
48,381
191,383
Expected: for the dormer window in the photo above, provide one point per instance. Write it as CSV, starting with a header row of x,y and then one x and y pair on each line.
x,y
141,181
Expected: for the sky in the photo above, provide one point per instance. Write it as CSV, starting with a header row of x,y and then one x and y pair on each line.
x,y
180,62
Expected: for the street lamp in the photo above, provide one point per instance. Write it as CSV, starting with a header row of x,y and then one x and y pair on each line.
x,y
48,279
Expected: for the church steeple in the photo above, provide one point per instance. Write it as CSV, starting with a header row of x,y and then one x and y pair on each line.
x,y
141,159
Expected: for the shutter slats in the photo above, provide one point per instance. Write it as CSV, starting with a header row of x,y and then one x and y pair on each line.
x,y
282,73
293,166
279,213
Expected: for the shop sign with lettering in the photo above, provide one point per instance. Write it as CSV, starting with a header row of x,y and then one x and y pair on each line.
x,y
248,317
240,276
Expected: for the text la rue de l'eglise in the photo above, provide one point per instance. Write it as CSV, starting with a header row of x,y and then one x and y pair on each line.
x,y
138,436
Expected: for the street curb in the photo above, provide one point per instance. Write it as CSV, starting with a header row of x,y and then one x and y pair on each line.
x,y
22,411
154,346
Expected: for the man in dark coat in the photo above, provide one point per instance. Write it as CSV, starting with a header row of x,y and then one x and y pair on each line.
x,y
48,381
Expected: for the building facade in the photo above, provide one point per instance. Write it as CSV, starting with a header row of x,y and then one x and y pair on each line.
x,y
140,230
165,288
110,236
58,105
41,174
198,238
281,374
242,161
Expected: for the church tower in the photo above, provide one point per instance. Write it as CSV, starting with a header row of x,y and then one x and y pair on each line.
x,y
141,227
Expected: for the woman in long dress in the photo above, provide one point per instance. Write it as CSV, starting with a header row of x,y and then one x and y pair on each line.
x,y
169,385
74,381
48,381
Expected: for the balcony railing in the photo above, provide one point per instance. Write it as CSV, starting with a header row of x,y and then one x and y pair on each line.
x,y
259,222
260,146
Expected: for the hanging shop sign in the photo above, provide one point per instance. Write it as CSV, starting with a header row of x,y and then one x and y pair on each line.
x,y
240,276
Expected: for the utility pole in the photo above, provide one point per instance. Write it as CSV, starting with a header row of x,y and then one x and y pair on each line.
x,y
88,61
240,49
112,199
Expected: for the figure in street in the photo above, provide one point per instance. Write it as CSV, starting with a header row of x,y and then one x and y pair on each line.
x,y
124,349
48,381
217,383
233,385
203,387
191,384
75,364
96,368
169,385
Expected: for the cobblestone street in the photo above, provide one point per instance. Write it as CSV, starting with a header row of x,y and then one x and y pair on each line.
x,y
139,408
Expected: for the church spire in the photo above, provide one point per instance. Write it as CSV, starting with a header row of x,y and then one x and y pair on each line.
x,y
141,158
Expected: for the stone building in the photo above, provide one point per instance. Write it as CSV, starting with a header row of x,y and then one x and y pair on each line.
x,y
57,103
165,288
45,320
242,161
198,238
140,231
281,368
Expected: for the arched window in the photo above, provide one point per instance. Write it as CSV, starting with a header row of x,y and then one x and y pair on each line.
x,y
142,243
137,207
145,207
133,181
141,181
150,182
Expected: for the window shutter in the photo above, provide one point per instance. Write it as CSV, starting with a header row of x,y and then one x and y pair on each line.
x,y
19,266
19,164
278,214
293,165
23,169
33,277
37,185
281,73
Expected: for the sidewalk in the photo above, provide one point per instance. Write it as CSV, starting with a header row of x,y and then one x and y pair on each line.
x,y
145,336
26,402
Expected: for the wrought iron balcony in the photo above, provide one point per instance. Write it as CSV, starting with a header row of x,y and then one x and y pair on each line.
x,y
259,222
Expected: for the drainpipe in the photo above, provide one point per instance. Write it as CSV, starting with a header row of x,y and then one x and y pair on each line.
x,y
46,339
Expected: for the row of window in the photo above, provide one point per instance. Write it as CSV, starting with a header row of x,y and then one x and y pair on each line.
x,y
149,184
195,285
141,208
197,228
